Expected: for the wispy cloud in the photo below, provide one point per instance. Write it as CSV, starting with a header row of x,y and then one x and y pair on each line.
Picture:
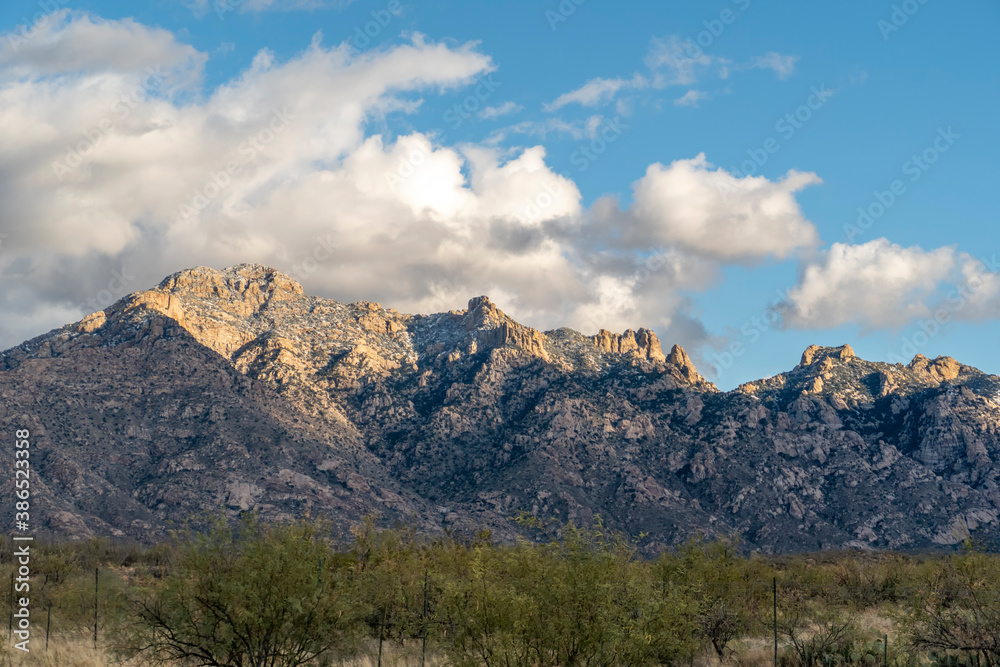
x,y
202,7
676,62
782,65
672,61
504,109
594,124
691,98
543,129
597,92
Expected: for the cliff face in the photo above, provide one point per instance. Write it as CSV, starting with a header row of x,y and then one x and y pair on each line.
x,y
235,389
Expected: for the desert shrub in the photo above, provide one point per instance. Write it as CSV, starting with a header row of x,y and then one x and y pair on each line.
x,y
733,592
390,568
954,610
581,599
256,595
869,582
819,634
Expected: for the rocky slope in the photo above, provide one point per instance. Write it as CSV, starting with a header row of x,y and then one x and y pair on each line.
x,y
234,389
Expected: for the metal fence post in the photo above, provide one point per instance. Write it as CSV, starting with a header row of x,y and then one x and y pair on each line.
x,y
775,582
97,572
381,633
423,642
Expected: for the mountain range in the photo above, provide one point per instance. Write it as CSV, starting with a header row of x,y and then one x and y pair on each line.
x,y
234,390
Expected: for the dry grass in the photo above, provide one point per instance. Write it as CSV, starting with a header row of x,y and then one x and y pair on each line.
x,y
388,661
759,651
878,620
753,652
63,651
393,655
78,651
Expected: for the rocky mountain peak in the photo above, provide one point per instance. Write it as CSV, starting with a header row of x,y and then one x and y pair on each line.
x,y
678,357
266,326
233,386
225,310
242,279
642,343
817,353
846,380
482,314
938,370
241,290
493,329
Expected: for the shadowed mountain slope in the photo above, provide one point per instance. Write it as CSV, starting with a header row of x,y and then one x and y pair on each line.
x,y
235,389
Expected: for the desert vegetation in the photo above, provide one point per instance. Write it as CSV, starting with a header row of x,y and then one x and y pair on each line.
x,y
256,594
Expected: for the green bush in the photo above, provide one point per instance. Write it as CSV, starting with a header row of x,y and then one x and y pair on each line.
x,y
283,594
582,599
954,610
257,595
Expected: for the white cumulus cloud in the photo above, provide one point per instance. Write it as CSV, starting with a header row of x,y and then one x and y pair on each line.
x,y
876,284
110,181
66,42
716,214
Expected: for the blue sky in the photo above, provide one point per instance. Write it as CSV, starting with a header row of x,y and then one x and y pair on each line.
x,y
574,99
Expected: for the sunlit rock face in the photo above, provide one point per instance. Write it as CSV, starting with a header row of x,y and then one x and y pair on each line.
x,y
233,389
